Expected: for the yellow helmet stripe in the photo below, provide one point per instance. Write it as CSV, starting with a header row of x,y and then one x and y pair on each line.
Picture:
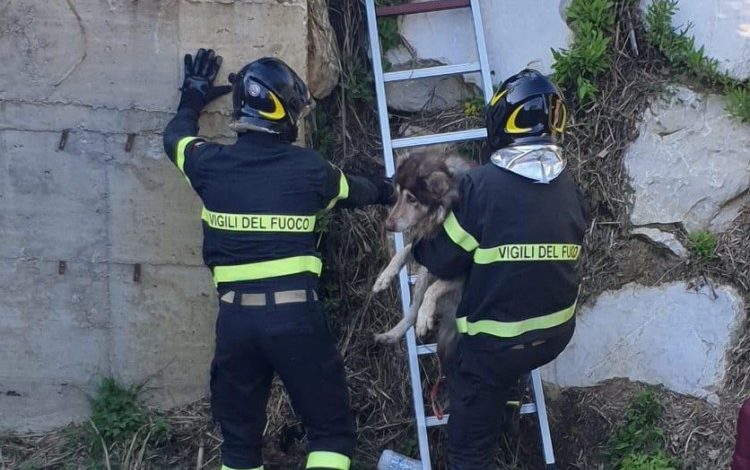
x,y
511,127
498,95
278,112
561,127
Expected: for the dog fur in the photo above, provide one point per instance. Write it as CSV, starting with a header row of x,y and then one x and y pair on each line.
x,y
427,190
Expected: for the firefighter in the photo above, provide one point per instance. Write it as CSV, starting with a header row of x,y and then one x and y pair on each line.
x,y
261,198
516,236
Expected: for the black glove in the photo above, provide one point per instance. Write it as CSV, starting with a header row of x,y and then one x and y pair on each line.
x,y
198,87
386,191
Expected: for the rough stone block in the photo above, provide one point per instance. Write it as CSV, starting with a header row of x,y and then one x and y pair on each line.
x,y
54,347
675,335
155,214
690,163
53,203
163,330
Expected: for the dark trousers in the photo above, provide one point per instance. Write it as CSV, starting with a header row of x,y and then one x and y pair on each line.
x,y
293,340
480,375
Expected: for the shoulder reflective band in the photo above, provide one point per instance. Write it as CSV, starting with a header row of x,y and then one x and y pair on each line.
x,y
332,460
181,146
516,328
457,233
343,191
267,269
528,252
258,222
224,467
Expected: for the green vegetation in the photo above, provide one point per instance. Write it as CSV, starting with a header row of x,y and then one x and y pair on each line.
x,y
120,425
703,244
474,107
588,57
684,56
359,83
639,442
738,103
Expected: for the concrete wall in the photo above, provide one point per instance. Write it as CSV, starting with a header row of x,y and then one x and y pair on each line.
x,y
104,69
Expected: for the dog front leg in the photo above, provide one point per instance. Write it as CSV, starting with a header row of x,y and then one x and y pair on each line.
x,y
428,309
424,278
397,262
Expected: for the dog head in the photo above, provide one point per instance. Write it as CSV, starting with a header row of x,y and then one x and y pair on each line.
x,y
426,190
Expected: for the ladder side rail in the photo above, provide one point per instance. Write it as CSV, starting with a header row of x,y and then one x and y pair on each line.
x,y
541,413
385,132
484,61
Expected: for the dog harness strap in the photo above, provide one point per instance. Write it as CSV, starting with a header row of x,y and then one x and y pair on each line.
x,y
458,235
517,328
328,460
225,467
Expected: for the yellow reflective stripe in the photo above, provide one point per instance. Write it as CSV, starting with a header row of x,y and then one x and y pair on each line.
x,y
528,252
498,95
331,460
457,233
343,191
278,112
267,269
259,222
511,127
225,467
181,146
517,328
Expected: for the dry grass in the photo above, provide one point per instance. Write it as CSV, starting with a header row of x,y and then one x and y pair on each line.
x,y
356,247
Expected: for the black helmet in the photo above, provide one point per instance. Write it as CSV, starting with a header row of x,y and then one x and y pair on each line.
x,y
528,108
268,95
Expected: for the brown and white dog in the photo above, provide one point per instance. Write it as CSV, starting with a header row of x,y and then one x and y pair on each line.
x,y
427,189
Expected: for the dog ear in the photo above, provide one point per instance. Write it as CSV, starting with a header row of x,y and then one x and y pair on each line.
x,y
439,183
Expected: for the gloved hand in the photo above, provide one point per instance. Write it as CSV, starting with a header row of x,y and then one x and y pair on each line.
x,y
198,87
386,191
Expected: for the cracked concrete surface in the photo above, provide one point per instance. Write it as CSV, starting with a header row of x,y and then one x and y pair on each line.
x,y
76,221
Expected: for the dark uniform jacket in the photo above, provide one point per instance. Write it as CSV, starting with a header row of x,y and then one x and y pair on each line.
x,y
262,197
517,242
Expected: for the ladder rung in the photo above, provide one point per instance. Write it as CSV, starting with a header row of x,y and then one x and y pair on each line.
x,y
437,71
528,408
422,7
423,349
471,134
434,421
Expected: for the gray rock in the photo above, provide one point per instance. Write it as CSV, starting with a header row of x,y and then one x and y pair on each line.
x,y
664,239
424,94
675,335
690,163
324,67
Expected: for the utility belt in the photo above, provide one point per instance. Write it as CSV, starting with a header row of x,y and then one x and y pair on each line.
x,y
262,299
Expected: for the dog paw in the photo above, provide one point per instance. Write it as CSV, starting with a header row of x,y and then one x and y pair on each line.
x,y
424,324
382,282
387,338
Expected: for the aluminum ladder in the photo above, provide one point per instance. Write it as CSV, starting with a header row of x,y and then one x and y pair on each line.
x,y
389,145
